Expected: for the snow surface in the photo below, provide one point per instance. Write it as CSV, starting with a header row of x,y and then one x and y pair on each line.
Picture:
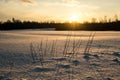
x,y
101,63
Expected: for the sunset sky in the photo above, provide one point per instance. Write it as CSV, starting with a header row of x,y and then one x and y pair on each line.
x,y
58,10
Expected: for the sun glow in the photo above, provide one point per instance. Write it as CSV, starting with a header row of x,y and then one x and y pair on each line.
x,y
74,18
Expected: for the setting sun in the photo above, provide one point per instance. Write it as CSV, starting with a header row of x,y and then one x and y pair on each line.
x,y
74,18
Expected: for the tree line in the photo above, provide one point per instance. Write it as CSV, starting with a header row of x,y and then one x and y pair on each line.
x,y
104,25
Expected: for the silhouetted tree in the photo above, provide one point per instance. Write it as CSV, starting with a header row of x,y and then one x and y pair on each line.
x,y
105,19
8,21
116,18
109,20
103,25
94,20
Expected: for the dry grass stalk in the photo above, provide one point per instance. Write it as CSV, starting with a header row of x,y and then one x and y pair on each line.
x,y
89,43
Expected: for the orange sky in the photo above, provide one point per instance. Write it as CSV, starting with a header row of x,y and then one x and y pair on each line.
x,y
58,10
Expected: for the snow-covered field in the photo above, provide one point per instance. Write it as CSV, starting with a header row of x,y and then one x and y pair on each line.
x,y
43,55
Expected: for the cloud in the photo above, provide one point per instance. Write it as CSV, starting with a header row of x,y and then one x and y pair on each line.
x,y
27,1
4,1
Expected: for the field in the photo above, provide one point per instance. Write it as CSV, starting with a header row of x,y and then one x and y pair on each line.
x,y
59,55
